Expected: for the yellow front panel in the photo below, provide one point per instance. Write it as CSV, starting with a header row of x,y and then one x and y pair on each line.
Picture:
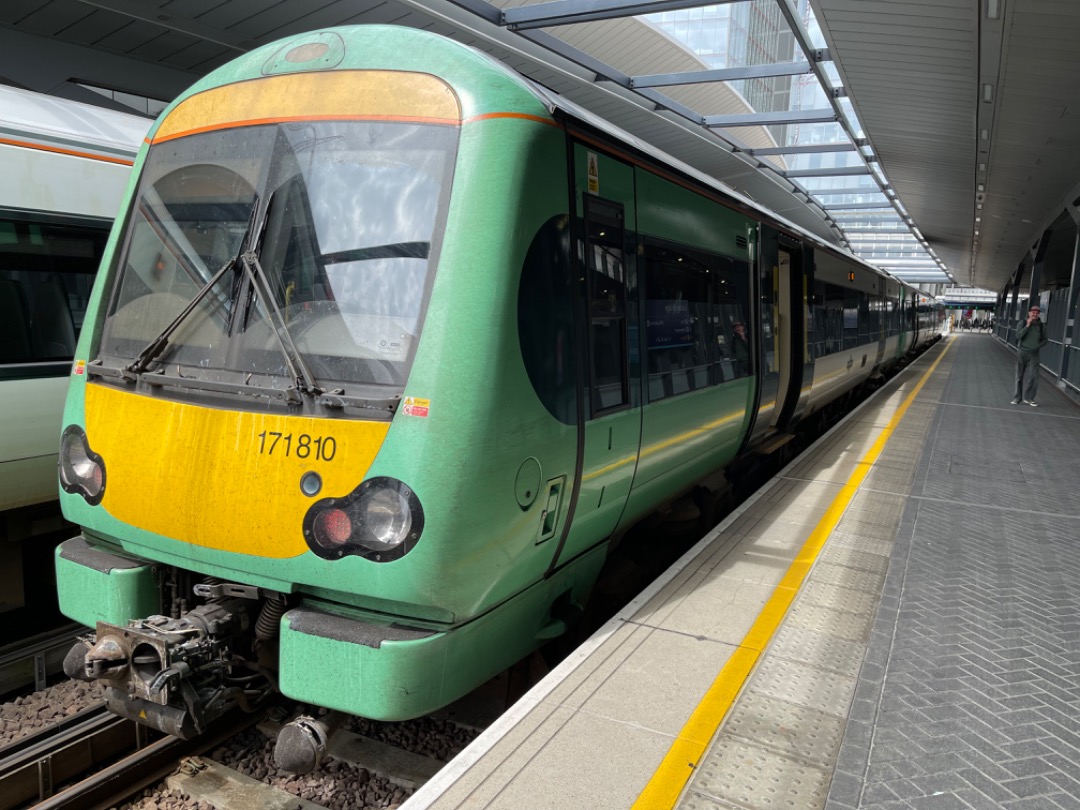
x,y
339,96
227,480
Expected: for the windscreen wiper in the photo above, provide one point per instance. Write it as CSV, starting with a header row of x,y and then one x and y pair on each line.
x,y
302,378
155,347
158,345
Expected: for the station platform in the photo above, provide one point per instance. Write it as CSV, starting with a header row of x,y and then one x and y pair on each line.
x,y
891,623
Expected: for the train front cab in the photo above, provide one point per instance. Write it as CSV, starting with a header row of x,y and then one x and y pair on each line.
x,y
187,471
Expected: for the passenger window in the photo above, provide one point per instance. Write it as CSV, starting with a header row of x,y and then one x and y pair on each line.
x,y
697,332
731,328
851,319
606,273
46,274
678,321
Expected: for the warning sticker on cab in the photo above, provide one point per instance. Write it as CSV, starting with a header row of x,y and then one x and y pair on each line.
x,y
414,406
79,367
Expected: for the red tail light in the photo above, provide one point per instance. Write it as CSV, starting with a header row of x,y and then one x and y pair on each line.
x,y
332,528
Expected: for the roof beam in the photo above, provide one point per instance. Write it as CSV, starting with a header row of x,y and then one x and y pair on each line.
x,y
806,149
768,118
723,75
847,171
827,192
855,206
892,230
165,18
601,70
565,12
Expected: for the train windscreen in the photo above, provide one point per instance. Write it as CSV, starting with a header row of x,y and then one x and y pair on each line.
x,y
314,235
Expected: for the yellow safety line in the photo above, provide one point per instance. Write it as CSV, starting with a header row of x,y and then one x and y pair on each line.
x,y
663,789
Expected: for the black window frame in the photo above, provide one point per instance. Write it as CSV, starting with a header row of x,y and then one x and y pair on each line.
x,y
608,218
70,274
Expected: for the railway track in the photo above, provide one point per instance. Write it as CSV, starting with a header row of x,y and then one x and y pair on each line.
x,y
30,662
31,766
98,759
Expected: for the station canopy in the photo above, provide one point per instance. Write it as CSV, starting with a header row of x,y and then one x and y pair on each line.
x,y
761,94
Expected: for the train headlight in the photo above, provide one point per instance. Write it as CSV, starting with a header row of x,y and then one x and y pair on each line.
x,y
381,520
82,471
387,517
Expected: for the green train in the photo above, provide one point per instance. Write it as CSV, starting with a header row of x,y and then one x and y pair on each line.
x,y
388,348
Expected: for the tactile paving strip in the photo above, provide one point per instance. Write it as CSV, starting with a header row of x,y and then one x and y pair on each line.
x,y
902,453
850,626
838,597
876,514
859,541
756,777
695,801
781,726
803,685
890,479
821,650
847,577
854,558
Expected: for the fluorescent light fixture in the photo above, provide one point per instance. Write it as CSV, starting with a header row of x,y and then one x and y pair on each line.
x,y
988,92
984,134
982,167
981,187
993,9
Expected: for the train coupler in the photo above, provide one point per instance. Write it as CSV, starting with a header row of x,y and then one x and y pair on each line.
x,y
175,675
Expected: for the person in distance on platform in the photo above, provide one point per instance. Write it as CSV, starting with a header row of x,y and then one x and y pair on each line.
x,y
740,348
1032,337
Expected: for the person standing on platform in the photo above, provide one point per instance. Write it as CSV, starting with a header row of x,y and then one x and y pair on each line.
x,y
1031,338
740,347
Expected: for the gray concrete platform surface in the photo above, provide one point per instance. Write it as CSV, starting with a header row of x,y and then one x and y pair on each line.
x,y
892,622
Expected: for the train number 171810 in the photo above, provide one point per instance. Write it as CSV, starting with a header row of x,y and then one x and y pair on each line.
x,y
300,445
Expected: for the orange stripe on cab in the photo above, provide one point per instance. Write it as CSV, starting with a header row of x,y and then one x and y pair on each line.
x,y
384,95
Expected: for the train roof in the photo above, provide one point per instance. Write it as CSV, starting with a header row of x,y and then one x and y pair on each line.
x,y
557,103
34,119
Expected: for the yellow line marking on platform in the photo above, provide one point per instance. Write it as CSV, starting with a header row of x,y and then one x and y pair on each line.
x,y
667,783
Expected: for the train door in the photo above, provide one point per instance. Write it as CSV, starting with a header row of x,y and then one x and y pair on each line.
x,y
792,298
783,296
769,350
907,322
877,319
610,431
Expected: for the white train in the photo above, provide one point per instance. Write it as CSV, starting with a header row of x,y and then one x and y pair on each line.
x,y
63,170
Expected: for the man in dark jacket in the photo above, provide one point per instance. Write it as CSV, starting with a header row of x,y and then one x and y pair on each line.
x,y
1032,337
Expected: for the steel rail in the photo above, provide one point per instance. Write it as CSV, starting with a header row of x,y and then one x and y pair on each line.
x,y
149,765
31,765
28,661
